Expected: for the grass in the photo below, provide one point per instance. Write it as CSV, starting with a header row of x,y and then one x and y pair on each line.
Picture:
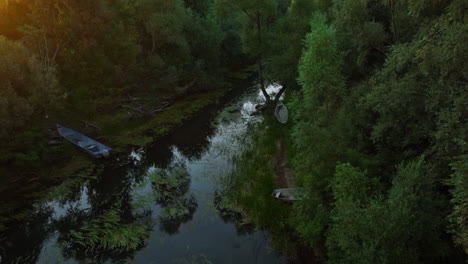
x,y
142,132
121,133
108,232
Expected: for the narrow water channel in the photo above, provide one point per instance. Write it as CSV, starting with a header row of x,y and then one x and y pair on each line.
x,y
203,147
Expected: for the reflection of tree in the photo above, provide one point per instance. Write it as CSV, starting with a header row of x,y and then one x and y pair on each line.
x,y
160,154
171,190
192,138
24,243
112,228
200,129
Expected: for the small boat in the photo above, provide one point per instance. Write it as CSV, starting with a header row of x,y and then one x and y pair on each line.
x,y
91,146
281,113
289,194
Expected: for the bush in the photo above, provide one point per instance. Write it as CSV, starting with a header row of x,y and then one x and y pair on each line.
x,y
23,89
404,226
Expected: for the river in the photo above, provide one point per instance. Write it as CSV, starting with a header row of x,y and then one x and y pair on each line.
x,y
203,148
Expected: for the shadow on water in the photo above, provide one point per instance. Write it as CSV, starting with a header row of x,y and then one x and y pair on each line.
x,y
154,205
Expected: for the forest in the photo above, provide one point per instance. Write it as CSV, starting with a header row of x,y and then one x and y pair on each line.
x,y
377,93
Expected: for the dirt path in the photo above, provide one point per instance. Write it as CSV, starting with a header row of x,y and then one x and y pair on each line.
x,y
285,176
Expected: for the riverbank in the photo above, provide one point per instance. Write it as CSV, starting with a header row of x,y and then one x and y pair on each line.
x,y
70,167
122,134
121,195
260,168
75,166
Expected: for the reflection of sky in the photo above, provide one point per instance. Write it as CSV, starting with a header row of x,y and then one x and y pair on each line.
x,y
272,90
206,234
60,208
136,154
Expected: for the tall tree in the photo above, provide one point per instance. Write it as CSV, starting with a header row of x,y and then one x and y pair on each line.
x,y
256,17
315,129
360,36
24,88
287,44
402,226
163,40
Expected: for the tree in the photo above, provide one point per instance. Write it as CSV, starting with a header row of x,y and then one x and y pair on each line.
x,y
416,97
204,37
404,226
24,88
102,40
317,138
360,36
256,17
164,43
320,68
459,216
287,44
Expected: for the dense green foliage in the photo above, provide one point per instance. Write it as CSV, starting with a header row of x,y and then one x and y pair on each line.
x,y
24,89
379,125
459,182
378,105
403,226
383,84
68,61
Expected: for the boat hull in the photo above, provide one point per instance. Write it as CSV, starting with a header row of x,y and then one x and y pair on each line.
x,y
91,146
281,113
289,194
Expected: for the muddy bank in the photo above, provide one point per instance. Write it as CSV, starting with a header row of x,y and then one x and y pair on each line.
x,y
285,175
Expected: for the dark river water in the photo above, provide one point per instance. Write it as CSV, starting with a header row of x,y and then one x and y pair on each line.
x,y
204,147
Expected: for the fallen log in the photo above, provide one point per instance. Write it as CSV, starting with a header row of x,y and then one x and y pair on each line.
x,y
148,114
88,124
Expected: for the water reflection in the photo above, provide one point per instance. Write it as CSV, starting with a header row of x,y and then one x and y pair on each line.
x,y
171,187
123,201
25,245
111,228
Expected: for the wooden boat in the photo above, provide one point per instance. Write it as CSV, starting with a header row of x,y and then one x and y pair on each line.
x,y
89,145
281,113
289,194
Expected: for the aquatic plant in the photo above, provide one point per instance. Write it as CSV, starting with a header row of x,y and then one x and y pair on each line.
x,y
179,211
179,208
170,184
108,232
226,207
171,192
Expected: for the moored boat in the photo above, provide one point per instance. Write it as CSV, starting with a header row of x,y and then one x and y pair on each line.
x,y
89,145
281,113
289,194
